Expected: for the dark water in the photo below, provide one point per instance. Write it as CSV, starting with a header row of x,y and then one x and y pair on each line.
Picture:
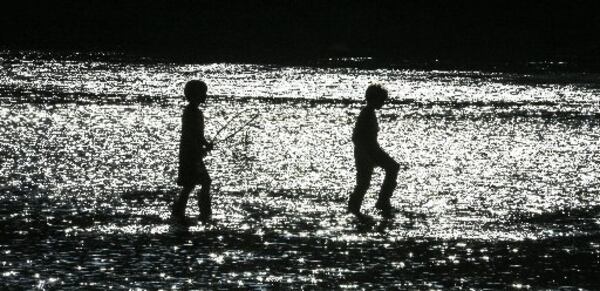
x,y
500,188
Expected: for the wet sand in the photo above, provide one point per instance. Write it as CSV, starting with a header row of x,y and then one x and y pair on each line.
x,y
49,247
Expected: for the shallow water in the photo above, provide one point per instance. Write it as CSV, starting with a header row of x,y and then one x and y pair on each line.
x,y
500,186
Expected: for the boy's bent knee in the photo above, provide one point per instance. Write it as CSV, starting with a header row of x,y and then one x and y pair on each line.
x,y
393,169
188,188
362,186
207,182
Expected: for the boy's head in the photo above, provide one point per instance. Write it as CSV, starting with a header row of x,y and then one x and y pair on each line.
x,y
376,95
195,91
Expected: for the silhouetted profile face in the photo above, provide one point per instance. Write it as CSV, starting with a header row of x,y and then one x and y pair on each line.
x,y
195,92
376,96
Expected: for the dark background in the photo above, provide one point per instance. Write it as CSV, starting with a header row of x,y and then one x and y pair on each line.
x,y
457,31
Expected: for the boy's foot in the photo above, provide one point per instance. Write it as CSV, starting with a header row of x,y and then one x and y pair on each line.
x,y
181,220
385,207
204,217
354,206
365,219
354,210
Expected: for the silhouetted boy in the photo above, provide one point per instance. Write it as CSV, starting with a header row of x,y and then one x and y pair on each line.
x,y
368,154
192,149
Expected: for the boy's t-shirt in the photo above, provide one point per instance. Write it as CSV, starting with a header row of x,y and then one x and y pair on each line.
x,y
366,129
192,134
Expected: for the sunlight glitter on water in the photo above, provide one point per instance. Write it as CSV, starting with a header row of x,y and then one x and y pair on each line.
x,y
486,158
456,165
35,75
454,183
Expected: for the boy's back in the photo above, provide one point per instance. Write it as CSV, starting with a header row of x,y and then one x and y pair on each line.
x,y
366,128
192,131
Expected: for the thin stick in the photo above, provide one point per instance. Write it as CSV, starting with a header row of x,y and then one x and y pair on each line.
x,y
240,129
227,123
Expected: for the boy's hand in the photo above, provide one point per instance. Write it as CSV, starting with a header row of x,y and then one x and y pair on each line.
x,y
210,146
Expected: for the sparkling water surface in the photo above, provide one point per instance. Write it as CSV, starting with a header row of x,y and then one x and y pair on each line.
x,y
499,186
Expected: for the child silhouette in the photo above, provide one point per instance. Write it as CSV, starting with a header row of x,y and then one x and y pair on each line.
x,y
192,149
368,154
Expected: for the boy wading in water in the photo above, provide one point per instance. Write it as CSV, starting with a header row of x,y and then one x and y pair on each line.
x,y
368,154
192,149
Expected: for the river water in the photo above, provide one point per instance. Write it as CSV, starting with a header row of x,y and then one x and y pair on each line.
x,y
499,186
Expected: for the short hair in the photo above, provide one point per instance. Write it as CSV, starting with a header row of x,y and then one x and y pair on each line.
x,y
376,91
194,87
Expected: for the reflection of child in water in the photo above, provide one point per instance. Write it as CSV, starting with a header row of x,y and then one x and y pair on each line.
x,y
368,154
192,148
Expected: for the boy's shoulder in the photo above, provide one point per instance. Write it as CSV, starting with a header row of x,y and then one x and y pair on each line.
x,y
191,110
367,112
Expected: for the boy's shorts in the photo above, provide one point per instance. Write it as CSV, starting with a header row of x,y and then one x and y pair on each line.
x,y
367,159
192,173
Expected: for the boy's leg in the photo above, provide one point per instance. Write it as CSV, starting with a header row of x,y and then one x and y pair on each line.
x,y
364,171
391,168
179,205
204,199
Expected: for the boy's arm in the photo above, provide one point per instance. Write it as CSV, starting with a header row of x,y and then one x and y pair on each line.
x,y
201,138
